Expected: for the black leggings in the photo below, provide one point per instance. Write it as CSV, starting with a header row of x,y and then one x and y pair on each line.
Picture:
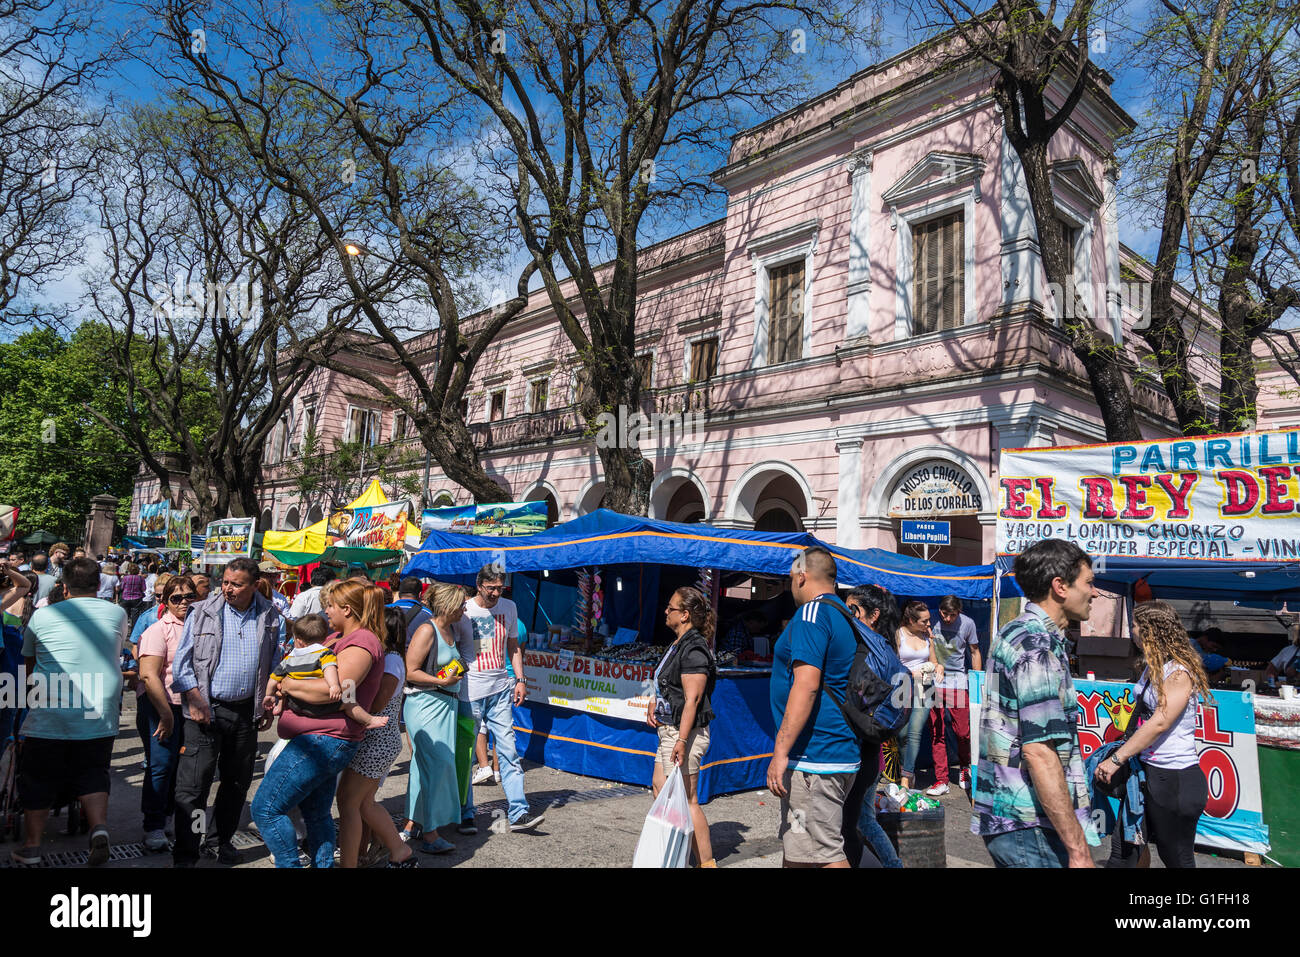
x,y
1173,801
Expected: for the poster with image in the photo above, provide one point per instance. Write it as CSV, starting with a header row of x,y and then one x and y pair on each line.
x,y
153,519
372,526
178,530
229,538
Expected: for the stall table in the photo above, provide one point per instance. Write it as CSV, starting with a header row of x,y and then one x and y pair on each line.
x,y
586,715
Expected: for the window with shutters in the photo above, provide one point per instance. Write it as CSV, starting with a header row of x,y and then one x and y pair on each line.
x,y
363,426
646,361
401,426
464,410
498,407
537,390
785,308
704,359
938,274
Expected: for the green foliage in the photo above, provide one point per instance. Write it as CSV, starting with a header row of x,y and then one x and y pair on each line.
x,y
56,454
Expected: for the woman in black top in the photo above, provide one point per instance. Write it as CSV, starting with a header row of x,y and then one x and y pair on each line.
x,y
681,710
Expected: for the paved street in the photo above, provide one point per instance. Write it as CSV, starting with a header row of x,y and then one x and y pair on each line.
x,y
589,823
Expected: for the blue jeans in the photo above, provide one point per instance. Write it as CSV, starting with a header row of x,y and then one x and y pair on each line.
x,y
1027,847
499,714
874,834
303,776
915,729
158,793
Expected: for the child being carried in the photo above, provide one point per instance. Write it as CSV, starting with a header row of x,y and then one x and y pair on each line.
x,y
310,658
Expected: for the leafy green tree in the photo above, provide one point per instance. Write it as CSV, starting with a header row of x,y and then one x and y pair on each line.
x,y
56,396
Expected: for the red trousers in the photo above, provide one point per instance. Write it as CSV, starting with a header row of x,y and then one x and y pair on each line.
x,y
953,711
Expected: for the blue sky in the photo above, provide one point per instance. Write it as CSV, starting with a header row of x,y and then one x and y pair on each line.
x,y
137,83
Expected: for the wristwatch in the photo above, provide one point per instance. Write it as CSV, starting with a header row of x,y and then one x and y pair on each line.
x,y
1114,759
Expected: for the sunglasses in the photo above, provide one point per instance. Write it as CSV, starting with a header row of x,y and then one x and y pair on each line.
x,y
188,596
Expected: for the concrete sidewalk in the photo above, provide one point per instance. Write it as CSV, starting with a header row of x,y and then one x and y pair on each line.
x,y
589,822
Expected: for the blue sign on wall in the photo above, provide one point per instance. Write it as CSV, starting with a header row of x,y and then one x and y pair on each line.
x,y
926,533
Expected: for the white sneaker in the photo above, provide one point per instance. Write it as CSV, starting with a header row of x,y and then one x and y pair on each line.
x,y
935,790
496,776
481,775
156,841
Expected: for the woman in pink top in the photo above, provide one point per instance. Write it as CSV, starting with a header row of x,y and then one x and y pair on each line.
x,y
306,772
158,710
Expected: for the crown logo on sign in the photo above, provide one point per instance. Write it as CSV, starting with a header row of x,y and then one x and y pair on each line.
x,y
1120,709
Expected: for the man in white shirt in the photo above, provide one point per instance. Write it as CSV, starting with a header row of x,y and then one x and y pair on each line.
x,y
493,621
308,602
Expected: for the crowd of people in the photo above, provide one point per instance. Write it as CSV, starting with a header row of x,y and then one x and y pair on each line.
x,y
345,668
336,671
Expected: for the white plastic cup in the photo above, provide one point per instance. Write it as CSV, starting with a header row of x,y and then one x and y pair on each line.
x,y
1287,692
1092,676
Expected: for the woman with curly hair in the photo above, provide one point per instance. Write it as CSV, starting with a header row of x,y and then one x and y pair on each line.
x,y
1175,791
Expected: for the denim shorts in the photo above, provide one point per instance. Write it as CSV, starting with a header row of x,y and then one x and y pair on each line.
x,y
1027,847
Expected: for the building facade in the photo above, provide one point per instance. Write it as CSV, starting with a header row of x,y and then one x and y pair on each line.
x,y
852,344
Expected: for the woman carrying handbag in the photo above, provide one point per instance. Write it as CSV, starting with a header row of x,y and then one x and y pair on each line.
x,y
1174,791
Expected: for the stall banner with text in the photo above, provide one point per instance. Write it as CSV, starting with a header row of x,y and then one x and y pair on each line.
x,y
1220,498
373,526
1225,743
568,680
227,539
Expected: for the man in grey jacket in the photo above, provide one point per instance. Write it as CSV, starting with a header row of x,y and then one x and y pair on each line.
x,y
223,661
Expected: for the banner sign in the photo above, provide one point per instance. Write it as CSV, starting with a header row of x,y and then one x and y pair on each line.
x,y
1225,742
935,487
227,539
178,530
1219,498
504,519
565,679
153,519
374,526
459,519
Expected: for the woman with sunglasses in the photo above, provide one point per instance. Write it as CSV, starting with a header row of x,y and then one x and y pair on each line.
x,y
158,709
681,710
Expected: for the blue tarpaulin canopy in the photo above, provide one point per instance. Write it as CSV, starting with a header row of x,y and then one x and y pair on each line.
x,y
604,537
1210,581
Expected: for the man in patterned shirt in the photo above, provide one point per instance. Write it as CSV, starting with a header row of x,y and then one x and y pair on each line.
x,y
1031,796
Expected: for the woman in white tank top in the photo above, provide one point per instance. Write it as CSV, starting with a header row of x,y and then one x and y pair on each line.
x,y
1176,791
916,650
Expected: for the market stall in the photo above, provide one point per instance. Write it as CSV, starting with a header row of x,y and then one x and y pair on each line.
x,y
370,531
1211,518
587,695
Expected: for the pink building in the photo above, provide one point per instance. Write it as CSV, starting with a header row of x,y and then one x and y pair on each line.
x,y
857,338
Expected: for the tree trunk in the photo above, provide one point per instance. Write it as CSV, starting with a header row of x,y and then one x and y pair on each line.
x,y
1094,348
452,447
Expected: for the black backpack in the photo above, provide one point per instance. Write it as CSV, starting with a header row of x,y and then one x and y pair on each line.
x,y
879,698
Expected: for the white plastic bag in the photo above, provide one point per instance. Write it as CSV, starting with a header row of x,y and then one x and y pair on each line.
x,y
666,836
